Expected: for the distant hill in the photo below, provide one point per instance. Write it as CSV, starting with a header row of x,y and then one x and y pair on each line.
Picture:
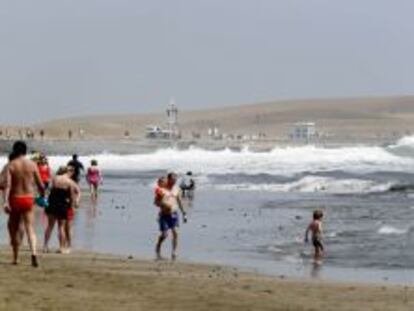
x,y
349,117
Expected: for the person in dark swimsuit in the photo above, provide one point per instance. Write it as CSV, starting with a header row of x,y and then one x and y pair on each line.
x,y
78,168
64,196
59,203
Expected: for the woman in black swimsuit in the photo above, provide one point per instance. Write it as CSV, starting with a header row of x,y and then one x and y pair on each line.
x,y
63,196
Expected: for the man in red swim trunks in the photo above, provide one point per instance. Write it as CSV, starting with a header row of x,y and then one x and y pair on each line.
x,y
20,176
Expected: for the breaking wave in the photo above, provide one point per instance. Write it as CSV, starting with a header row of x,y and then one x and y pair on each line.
x,y
286,161
298,169
389,230
315,184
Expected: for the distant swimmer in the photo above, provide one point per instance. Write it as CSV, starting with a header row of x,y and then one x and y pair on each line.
x,y
94,179
315,227
20,176
64,197
168,199
187,185
77,166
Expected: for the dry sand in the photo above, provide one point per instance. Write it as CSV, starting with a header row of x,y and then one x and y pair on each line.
x,y
100,282
341,118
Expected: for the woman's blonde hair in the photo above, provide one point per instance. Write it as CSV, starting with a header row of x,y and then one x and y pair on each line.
x,y
62,170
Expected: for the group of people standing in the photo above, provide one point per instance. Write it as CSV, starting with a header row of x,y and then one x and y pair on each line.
x,y
25,182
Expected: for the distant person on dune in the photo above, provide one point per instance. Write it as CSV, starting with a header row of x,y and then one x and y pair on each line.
x,y
77,166
20,176
94,179
315,228
168,199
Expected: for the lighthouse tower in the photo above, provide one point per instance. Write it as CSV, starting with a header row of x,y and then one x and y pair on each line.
x,y
172,119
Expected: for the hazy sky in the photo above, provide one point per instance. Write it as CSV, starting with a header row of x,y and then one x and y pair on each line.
x,y
75,57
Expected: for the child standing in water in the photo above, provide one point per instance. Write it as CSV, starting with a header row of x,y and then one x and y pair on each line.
x,y
315,227
94,179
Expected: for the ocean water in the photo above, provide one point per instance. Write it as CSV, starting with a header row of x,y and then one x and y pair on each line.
x,y
251,208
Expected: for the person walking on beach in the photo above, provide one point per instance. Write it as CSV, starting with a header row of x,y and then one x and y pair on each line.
x,y
94,179
315,227
64,197
168,199
187,185
44,170
20,176
77,166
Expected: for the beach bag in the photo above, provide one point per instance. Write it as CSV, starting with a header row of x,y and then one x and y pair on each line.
x,y
41,201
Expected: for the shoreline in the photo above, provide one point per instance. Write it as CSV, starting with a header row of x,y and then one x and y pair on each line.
x,y
305,271
91,281
143,146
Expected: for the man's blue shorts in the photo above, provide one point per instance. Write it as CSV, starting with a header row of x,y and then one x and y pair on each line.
x,y
167,222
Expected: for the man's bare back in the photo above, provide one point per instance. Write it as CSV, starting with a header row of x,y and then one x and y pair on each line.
x,y
22,176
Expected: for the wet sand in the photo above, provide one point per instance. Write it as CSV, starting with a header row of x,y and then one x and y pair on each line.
x,y
86,281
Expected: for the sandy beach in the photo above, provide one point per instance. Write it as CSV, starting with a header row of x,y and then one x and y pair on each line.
x,y
262,202
207,156
86,281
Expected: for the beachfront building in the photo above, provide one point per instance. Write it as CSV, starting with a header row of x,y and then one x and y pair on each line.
x,y
303,132
156,132
214,133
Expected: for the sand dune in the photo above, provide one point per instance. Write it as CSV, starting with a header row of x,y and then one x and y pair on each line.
x,y
351,117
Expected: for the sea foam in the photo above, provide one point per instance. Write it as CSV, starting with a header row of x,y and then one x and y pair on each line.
x,y
389,230
286,161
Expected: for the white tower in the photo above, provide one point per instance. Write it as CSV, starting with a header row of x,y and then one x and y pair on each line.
x,y
172,117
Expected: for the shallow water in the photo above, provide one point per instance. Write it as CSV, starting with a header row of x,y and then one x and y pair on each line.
x,y
251,209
